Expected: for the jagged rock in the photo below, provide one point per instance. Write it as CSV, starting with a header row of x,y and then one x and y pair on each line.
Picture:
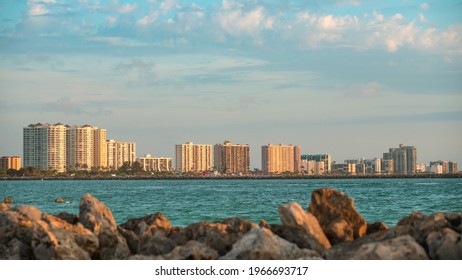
x,y
376,227
131,238
8,200
157,245
29,234
293,216
59,200
96,217
262,244
264,224
400,248
218,235
148,225
192,250
337,215
445,244
4,207
455,220
70,218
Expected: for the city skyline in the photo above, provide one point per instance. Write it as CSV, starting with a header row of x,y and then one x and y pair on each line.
x,y
348,78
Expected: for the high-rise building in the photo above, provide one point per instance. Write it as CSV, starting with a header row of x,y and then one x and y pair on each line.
x,y
326,158
86,148
192,157
281,158
312,167
156,164
231,159
386,166
453,167
7,162
120,152
44,146
404,159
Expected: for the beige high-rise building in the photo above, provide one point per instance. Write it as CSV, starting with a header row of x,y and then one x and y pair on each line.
x,y
120,152
281,158
86,148
404,159
7,162
191,157
231,159
156,164
44,146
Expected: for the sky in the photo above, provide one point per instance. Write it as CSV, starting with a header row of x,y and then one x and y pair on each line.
x,y
347,77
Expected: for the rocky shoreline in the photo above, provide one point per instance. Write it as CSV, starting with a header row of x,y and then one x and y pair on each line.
x,y
330,228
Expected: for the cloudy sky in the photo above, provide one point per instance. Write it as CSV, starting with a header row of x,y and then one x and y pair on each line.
x,y
346,77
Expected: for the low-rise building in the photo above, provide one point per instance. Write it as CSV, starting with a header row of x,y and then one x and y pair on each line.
x,y
156,164
343,168
7,162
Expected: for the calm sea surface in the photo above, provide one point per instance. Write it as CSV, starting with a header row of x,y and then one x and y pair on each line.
x,y
188,201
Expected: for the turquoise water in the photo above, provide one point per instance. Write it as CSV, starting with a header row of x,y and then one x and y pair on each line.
x,y
188,201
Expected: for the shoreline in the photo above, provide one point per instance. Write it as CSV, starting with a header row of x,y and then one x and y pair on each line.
x,y
247,177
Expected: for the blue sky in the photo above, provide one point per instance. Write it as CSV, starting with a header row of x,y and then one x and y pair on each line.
x,y
347,77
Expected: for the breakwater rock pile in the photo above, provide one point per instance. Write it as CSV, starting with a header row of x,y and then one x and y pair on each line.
x,y
330,228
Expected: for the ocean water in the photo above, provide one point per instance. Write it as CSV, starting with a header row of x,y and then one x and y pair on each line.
x,y
188,201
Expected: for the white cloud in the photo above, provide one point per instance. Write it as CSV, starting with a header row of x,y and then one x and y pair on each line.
x,y
371,89
424,6
111,20
42,1
238,22
148,19
127,8
422,17
37,10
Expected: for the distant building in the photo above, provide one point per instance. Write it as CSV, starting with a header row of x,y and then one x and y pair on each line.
x,y
231,158
404,159
192,157
343,168
453,168
44,146
436,168
120,152
387,166
86,148
7,162
312,167
421,168
447,167
281,158
155,164
326,158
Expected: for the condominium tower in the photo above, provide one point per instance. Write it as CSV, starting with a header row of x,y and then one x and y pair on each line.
x,y
85,148
191,157
404,159
44,146
120,152
281,158
231,159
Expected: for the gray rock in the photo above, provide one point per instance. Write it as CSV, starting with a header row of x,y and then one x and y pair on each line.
x,y
157,245
376,227
445,244
262,244
403,247
192,250
337,215
96,217
293,216
148,225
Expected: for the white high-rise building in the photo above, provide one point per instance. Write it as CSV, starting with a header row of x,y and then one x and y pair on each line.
x,y
44,146
191,157
120,152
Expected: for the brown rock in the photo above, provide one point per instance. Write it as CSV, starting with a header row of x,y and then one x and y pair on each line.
x,y
59,200
192,250
8,200
148,225
15,250
445,244
264,224
337,215
4,207
159,244
400,248
220,236
262,244
376,227
70,218
293,216
96,217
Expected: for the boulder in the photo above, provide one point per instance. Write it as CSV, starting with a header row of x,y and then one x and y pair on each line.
x,y
293,217
4,207
59,200
376,227
96,217
403,247
220,236
8,200
192,250
159,244
148,225
262,244
445,244
70,218
337,215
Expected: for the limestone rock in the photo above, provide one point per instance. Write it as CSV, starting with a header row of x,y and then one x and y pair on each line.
x,y
262,244
220,236
4,207
445,244
192,250
337,215
70,218
96,217
148,225
293,216
400,248
159,244
59,200
376,227
8,200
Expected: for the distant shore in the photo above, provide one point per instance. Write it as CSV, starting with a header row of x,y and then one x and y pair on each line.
x,y
229,177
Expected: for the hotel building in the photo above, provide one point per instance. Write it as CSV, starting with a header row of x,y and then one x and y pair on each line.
x,y
231,159
281,158
120,152
156,164
44,146
7,162
192,157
